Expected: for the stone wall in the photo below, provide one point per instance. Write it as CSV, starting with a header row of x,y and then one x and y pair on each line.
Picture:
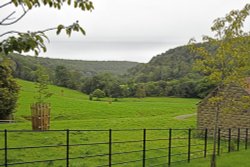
x,y
233,115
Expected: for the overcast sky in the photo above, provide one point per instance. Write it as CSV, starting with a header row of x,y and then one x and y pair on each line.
x,y
134,30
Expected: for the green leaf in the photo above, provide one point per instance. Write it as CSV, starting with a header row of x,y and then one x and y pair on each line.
x,y
39,38
27,2
59,29
82,31
69,2
36,52
50,3
75,4
15,2
68,31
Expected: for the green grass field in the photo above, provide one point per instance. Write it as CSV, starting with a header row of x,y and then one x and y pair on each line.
x,y
73,110
236,159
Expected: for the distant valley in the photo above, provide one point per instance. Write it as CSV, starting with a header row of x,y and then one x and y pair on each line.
x,y
27,64
166,74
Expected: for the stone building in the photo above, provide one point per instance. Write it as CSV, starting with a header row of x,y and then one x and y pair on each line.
x,y
234,115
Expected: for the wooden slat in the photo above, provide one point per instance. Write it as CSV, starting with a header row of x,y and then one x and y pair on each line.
x,y
40,116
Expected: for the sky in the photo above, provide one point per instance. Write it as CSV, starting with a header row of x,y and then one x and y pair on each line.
x,y
131,30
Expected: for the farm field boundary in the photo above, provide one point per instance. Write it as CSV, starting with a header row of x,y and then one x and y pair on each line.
x,y
115,147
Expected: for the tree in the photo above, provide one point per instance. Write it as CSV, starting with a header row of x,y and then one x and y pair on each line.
x,y
8,90
125,90
152,89
16,41
76,79
67,78
140,91
23,69
42,82
203,87
103,81
41,108
228,63
98,94
115,90
62,76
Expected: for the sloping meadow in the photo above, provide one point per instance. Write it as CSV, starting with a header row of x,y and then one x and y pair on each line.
x,y
87,142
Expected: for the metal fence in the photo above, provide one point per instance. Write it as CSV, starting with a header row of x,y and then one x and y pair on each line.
x,y
127,147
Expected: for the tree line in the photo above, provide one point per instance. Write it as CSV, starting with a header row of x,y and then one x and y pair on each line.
x,y
123,86
168,74
25,65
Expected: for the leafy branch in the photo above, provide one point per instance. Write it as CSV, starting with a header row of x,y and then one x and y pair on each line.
x,y
33,41
17,41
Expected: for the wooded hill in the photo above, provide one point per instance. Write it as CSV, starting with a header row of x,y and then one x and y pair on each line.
x,y
167,74
24,65
172,73
173,64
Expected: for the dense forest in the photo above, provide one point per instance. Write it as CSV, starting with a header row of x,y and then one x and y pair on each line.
x,y
167,74
171,65
26,64
171,74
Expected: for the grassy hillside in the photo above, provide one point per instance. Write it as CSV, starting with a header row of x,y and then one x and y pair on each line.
x,y
73,110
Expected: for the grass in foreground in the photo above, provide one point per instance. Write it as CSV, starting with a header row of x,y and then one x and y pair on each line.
x,y
234,159
73,110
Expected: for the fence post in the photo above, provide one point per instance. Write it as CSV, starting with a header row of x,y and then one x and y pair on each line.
x,y
189,144
144,148
218,151
229,140
67,147
205,144
110,147
246,139
169,146
238,140
5,148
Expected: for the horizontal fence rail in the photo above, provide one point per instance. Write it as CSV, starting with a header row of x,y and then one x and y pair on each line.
x,y
129,147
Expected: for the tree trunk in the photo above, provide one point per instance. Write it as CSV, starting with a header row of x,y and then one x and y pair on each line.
x,y
216,123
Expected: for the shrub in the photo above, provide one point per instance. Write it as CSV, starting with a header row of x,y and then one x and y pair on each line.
x,y
98,94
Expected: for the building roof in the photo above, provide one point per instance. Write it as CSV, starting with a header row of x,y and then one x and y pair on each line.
x,y
215,91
